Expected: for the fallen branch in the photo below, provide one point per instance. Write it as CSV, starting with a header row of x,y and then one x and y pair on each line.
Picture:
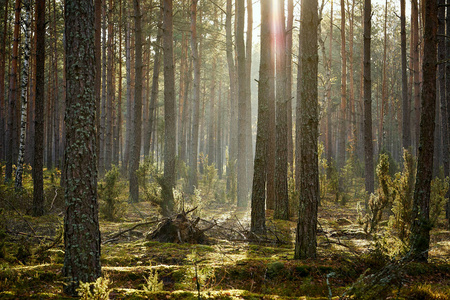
x,y
112,238
29,235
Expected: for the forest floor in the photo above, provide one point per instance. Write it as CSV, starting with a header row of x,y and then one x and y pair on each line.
x,y
228,266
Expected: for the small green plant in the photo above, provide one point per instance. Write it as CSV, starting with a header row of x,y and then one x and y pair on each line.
x,y
152,284
403,184
209,179
109,195
231,179
98,290
439,188
323,170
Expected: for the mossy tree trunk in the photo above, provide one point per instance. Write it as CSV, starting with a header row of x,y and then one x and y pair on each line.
x,y
81,227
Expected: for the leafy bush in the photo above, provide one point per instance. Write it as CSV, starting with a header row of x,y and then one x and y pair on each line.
x,y
439,188
109,191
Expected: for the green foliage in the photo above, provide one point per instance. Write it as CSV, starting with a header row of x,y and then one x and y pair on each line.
x,y
147,175
208,181
426,292
323,166
98,290
108,192
403,186
384,193
152,284
293,194
439,188
231,179
333,182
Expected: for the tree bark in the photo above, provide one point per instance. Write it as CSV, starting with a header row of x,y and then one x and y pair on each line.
x,y
420,229
305,241
368,144
406,115
3,36
447,95
81,227
193,176
258,212
242,104
24,96
281,164
170,115
343,111
137,109
289,32
10,139
38,160
248,106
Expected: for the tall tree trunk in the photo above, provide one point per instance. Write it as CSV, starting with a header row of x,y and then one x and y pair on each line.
x,y
416,72
381,134
102,134
3,36
38,159
137,109
271,148
98,69
118,136
155,80
232,155
248,106
109,90
353,133
212,122
170,115
258,212
368,144
441,111
81,226
193,176
129,118
242,104
329,153
56,112
305,241
289,31
24,96
420,229
406,116
183,99
343,111
10,139
281,164
447,96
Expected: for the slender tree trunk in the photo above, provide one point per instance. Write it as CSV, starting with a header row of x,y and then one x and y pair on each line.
x,y
381,133
343,111
24,96
232,155
271,148
155,80
305,241
248,106
56,112
193,176
129,118
38,159
420,229
258,212
109,90
98,70
329,153
289,30
10,139
406,117
416,72
212,121
3,36
281,164
242,104
353,133
368,144
118,136
183,99
447,94
81,226
137,110
170,115
102,134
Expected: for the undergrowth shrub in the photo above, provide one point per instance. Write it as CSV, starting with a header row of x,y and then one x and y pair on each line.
x,y
400,220
152,284
109,191
98,290
439,189
147,175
